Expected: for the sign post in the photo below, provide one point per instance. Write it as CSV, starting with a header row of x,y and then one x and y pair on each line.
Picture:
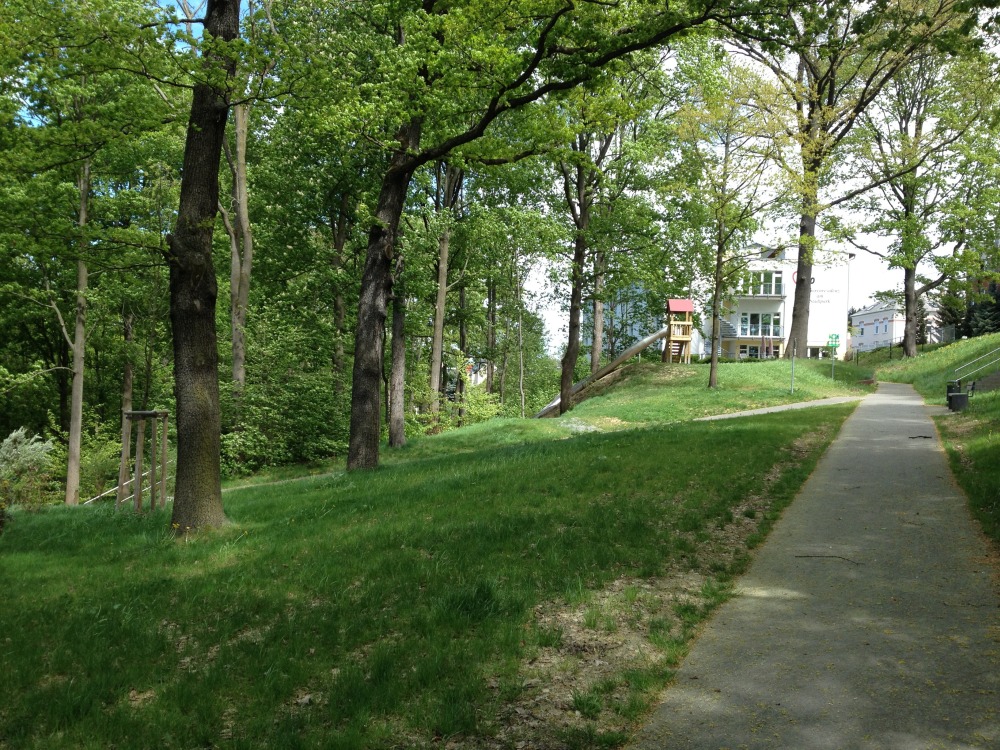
x,y
794,352
833,342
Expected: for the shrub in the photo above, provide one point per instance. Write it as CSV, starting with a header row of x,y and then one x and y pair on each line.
x,y
24,464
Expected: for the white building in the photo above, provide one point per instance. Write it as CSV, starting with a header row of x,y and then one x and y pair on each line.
x,y
756,321
876,326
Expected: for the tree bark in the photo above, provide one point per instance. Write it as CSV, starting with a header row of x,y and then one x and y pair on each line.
x,y
798,334
78,346
720,260
449,179
397,377
597,347
491,332
460,383
437,335
128,379
910,311
568,364
241,245
376,285
194,291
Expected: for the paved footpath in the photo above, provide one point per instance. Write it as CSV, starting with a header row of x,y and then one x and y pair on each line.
x,y
869,619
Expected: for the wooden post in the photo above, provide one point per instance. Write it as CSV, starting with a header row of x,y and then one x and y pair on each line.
x,y
140,440
154,424
126,456
163,461
157,473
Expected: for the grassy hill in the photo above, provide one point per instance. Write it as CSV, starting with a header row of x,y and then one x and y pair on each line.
x,y
517,581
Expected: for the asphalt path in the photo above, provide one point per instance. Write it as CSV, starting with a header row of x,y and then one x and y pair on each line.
x,y
869,619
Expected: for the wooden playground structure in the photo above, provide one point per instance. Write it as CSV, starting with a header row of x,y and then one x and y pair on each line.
x,y
677,342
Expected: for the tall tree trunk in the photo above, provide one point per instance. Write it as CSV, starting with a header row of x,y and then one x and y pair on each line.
x,y
798,334
520,340
462,343
491,332
241,243
78,345
910,311
194,291
128,381
449,190
713,368
339,300
910,239
397,378
376,284
568,364
597,347
437,335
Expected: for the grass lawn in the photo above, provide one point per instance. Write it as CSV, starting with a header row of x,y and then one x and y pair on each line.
x,y
469,583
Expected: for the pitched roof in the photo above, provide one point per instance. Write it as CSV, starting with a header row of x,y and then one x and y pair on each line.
x,y
879,307
680,305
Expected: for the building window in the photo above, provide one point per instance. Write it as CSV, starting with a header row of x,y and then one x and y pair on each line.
x,y
760,324
770,350
764,283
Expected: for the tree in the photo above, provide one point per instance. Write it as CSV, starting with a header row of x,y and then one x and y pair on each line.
x,y
728,136
448,180
500,64
75,105
909,143
830,63
193,286
239,229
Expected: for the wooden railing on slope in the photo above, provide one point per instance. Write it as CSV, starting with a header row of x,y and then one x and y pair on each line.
x,y
607,369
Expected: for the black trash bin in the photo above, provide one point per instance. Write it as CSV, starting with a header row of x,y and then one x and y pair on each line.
x,y
954,386
958,401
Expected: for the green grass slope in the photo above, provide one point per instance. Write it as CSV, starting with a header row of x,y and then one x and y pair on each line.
x,y
398,608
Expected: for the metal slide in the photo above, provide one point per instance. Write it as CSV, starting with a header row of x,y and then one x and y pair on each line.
x,y
607,369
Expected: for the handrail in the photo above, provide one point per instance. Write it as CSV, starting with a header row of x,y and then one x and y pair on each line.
x,y
957,375
980,369
126,483
977,359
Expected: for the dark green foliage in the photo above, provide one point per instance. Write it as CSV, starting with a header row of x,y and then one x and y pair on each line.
x,y
984,314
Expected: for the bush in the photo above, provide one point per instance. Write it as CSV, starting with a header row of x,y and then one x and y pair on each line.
x,y
99,461
24,465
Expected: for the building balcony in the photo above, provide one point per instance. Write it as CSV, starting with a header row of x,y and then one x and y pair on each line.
x,y
773,294
755,332
730,331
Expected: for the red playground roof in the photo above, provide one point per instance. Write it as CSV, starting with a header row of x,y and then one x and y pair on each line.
x,y
680,305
